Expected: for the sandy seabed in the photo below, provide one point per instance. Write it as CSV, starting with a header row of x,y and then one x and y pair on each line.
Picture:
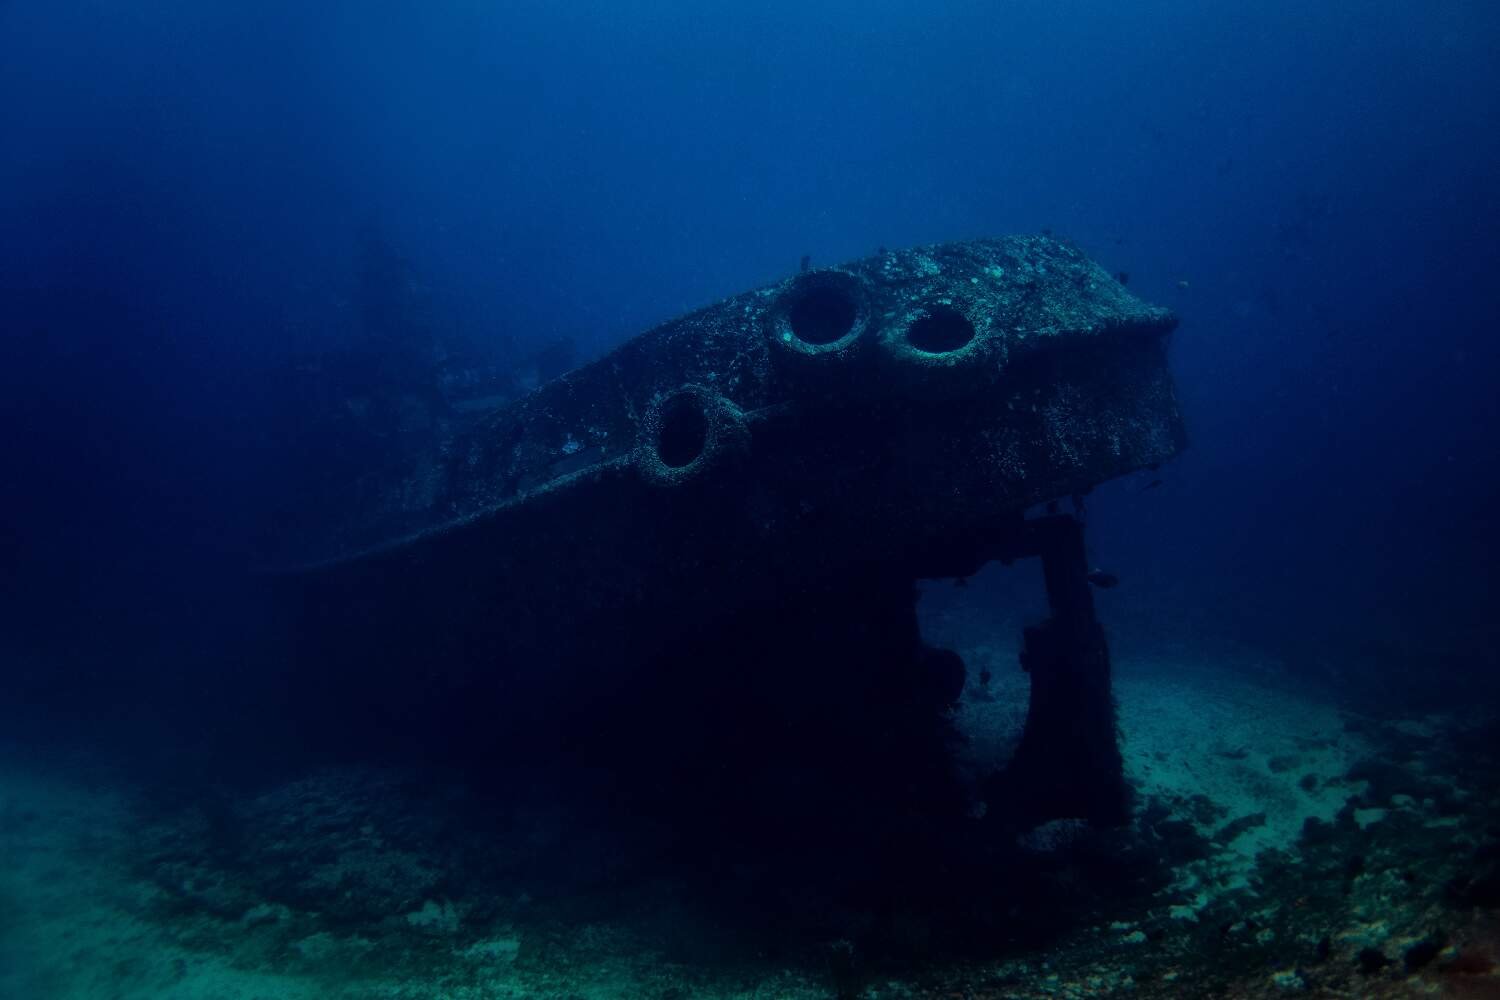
x,y
1338,855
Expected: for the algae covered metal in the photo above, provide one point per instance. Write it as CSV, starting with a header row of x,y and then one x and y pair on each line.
x,y
895,414
720,523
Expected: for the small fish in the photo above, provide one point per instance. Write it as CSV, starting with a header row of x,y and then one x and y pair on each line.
x,y
805,264
1103,580
1150,486
1184,284
1123,277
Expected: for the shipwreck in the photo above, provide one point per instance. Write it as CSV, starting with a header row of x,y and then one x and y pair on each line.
x,y
702,548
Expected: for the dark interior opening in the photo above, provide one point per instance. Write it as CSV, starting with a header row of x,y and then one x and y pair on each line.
x,y
822,315
684,432
941,330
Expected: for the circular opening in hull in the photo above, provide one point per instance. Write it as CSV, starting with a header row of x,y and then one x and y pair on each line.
x,y
822,314
684,432
692,434
940,331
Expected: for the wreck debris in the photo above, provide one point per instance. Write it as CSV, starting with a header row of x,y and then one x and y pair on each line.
x,y
830,439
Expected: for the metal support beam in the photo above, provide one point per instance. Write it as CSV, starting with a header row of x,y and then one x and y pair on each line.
x,y
1068,765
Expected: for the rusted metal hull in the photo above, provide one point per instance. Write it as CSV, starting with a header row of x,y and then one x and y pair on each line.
x,y
896,414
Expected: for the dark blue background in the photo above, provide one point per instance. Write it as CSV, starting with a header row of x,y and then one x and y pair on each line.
x,y
1312,187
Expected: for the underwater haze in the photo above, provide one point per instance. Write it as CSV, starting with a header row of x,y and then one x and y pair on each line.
x,y
257,258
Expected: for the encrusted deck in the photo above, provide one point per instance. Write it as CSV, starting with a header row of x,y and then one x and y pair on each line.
x,y
897,411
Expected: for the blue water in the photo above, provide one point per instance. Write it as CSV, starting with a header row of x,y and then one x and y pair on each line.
x,y
190,193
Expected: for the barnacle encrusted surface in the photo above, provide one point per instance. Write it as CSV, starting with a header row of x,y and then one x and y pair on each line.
x,y
898,411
